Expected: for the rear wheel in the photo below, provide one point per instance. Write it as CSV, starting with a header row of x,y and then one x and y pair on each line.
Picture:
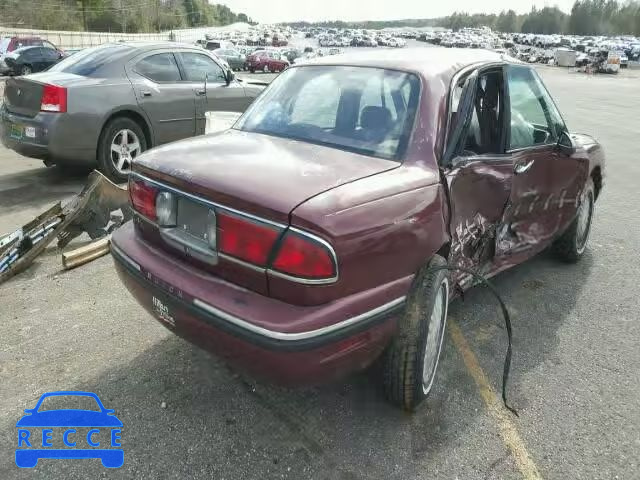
x,y
411,361
121,141
26,70
572,244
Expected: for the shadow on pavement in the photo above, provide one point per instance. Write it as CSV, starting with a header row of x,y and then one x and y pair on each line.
x,y
186,415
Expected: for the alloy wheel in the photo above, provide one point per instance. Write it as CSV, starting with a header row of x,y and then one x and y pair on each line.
x,y
125,146
583,228
435,334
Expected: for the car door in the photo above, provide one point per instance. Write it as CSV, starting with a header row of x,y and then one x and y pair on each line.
x,y
547,181
476,168
167,100
49,57
214,94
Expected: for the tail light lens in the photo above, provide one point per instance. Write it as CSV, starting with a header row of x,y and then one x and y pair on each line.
x,y
54,99
143,198
245,239
302,256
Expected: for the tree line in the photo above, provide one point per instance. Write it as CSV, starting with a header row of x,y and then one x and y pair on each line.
x,y
130,16
587,17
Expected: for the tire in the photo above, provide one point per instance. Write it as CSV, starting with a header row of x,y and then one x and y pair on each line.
x,y
252,70
265,69
105,161
570,247
420,333
26,70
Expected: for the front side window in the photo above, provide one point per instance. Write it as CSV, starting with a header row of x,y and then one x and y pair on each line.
x,y
198,66
364,110
531,118
161,67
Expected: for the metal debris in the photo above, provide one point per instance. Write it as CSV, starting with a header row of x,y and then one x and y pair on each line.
x,y
100,208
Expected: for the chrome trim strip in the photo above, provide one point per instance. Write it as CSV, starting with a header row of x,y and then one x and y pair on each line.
x,y
241,262
275,273
300,335
125,257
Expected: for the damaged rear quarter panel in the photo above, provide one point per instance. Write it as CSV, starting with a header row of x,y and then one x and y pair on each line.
x,y
383,228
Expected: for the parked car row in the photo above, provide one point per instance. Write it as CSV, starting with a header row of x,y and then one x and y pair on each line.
x,y
24,55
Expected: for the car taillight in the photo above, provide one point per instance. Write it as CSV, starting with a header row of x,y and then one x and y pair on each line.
x,y
245,239
54,99
143,198
302,256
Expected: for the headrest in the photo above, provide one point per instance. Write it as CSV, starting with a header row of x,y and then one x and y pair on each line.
x,y
375,117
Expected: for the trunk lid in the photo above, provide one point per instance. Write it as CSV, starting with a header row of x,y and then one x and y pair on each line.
x,y
22,95
258,174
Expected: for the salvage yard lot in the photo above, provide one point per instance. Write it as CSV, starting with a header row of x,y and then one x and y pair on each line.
x,y
574,377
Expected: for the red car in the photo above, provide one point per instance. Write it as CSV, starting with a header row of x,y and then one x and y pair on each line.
x,y
302,243
266,61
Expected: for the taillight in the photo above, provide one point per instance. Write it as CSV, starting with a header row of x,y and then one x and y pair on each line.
x,y
143,198
304,257
245,239
54,99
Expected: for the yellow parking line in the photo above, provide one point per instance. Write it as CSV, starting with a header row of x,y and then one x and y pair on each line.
x,y
508,431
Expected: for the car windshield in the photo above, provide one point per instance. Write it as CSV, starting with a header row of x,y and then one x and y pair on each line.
x,y
87,62
66,402
361,109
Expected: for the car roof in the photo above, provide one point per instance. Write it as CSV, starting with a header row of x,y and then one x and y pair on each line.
x,y
149,45
429,62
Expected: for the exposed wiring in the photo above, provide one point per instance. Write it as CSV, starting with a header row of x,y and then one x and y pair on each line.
x,y
507,322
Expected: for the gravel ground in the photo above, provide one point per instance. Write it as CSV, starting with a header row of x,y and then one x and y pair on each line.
x,y
186,415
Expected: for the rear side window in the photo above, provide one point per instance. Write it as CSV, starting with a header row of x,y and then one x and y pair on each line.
x,y
161,67
88,62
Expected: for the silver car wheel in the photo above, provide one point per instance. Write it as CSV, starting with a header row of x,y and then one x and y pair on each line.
x,y
585,213
125,146
435,334
266,68
26,70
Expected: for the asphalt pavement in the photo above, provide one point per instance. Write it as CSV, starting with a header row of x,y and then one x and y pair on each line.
x,y
575,373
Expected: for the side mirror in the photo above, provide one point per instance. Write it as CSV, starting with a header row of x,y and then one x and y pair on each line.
x,y
565,144
229,76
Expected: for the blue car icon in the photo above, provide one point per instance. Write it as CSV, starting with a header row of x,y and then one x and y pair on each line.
x,y
105,429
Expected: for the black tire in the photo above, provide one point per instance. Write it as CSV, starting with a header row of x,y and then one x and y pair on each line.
x,y
105,164
570,247
252,70
403,364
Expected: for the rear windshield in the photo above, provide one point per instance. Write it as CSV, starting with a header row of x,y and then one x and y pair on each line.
x,y
87,62
360,109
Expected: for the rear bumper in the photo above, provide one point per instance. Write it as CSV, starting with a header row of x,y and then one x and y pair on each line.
x,y
50,141
287,350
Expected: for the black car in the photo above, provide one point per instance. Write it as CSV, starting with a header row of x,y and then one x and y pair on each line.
x,y
26,60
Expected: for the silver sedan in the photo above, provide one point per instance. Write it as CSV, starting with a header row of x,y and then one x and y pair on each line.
x,y
104,106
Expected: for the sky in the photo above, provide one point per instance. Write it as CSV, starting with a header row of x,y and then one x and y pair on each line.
x,y
272,11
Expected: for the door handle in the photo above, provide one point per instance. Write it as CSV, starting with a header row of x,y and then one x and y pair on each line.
x,y
146,93
201,92
522,167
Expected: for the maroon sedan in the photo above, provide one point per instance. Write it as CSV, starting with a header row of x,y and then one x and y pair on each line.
x,y
302,243
266,61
